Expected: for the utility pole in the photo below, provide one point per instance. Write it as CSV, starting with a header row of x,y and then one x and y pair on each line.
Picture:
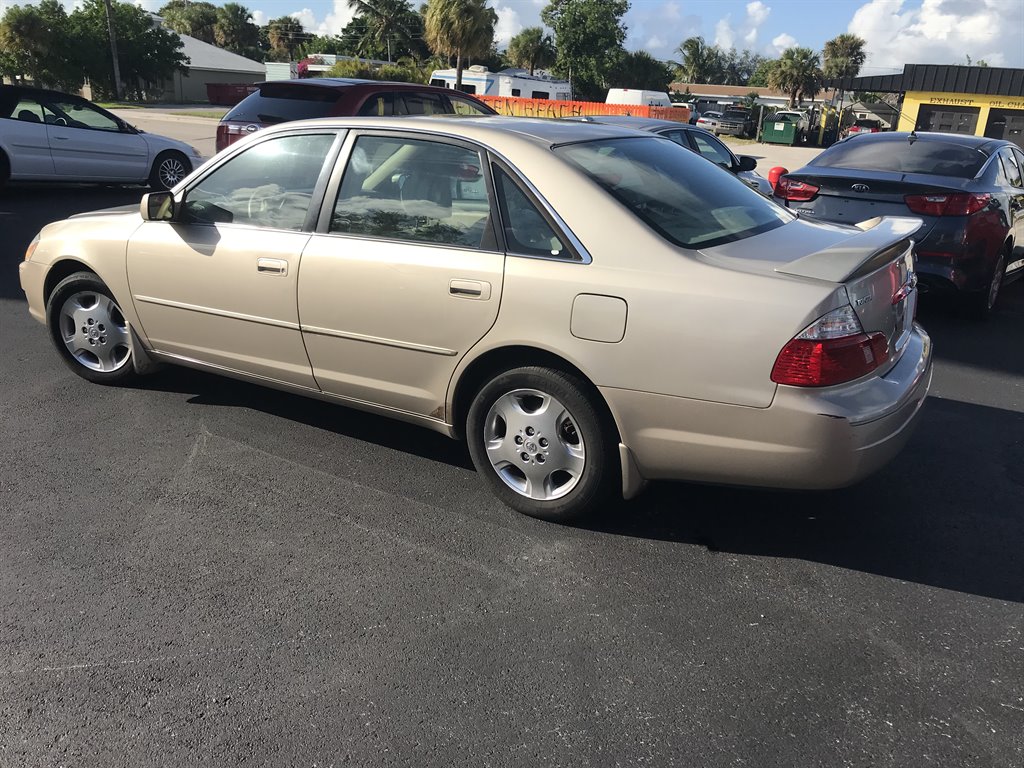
x,y
113,50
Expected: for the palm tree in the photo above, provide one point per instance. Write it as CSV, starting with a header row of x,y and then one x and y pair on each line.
x,y
459,28
844,55
699,60
285,35
387,21
234,29
531,48
797,73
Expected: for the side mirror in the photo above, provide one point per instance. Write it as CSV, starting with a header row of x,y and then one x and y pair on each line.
x,y
747,163
157,206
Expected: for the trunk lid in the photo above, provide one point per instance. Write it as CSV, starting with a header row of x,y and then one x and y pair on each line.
x,y
873,261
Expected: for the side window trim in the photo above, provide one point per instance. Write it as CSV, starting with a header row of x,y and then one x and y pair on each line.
x,y
332,189
319,188
578,254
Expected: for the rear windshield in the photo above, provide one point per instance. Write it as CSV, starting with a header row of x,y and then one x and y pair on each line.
x,y
939,158
688,200
279,103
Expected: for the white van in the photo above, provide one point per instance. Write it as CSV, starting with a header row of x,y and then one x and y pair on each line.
x,y
638,97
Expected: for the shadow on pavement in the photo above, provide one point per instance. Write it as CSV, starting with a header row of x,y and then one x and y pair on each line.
x,y
940,514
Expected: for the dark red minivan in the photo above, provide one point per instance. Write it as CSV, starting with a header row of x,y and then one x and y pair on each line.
x,y
284,100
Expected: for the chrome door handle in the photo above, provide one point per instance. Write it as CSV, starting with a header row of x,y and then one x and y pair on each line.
x,y
470,289
272,266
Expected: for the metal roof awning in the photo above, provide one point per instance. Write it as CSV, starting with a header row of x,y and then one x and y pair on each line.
x,y
988,81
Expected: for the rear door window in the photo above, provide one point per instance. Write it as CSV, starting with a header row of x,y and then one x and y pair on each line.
x,y
527,232
424,103
1010,165
279,103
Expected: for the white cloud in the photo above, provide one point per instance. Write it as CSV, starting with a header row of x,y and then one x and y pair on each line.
x,y
940,32
656,42
305,18
259,18
755,15
782,42
508,25
341,14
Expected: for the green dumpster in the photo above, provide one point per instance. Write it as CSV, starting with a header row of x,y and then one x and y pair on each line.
x,y
780,131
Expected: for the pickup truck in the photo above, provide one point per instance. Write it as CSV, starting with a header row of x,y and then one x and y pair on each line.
x,y
735,122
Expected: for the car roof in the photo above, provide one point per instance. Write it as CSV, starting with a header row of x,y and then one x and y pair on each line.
x,y
25,89
981,143
345,83
493,130
636,123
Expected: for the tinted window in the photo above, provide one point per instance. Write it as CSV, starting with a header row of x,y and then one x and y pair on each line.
x,y
1013,173
26,110
379,105
269,185
424,103
79,114
940,158
407,189
713,150
467,107
279,103
685,199
526,229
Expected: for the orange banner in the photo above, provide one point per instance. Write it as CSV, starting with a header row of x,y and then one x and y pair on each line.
x,y
518,107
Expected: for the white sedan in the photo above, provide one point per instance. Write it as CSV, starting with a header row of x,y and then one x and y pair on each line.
x,y
709,120
52,136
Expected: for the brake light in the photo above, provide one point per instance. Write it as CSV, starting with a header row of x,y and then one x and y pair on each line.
x,y
798,191
955,204
832,350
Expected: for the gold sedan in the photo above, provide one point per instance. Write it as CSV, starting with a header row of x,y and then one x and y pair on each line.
x,y
588,306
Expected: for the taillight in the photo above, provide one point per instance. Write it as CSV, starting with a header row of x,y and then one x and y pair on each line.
x,y
955,204
798,191
832,350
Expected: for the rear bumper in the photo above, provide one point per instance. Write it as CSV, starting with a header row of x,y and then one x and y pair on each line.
x,y
807,439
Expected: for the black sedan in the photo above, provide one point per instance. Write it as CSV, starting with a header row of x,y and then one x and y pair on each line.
x,y
693,138
969,190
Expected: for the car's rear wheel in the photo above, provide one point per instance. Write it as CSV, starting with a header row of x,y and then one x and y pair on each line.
x,y
168,169
544,446
89,330
983,302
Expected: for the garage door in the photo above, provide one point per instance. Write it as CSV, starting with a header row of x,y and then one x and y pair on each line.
x,y
939,117
1006,124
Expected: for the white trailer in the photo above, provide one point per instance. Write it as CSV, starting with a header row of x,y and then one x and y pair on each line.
x,y
480,81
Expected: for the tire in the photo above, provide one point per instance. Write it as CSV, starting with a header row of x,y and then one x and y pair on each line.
x,y
5,170
983,303
168,169
549,417
89,330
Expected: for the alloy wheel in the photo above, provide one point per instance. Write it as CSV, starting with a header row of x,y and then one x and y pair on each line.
x,y
94,331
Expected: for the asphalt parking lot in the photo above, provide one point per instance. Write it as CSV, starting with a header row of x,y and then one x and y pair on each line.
x,y
194,570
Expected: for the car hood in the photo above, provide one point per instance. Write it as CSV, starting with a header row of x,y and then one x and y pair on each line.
x,y
812,249
111,224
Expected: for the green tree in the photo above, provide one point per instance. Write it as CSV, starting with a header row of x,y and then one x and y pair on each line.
x,y
843,56
147,55
638,69
531,49
761,78
34,41
459,28
235,30
196,20
388,23
588,39
698,61
798,73
285,35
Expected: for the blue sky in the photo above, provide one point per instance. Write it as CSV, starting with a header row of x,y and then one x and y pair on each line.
x,y
897,32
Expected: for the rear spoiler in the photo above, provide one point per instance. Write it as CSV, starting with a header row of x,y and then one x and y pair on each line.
x,y
880,240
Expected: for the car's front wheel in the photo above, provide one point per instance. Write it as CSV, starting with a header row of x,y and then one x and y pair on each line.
x,y
168,169
89,330
544,446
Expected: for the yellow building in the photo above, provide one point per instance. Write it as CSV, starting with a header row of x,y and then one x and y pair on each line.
x,y
983,101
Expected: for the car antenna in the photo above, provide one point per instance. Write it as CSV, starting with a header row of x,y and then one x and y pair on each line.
x,y
913,136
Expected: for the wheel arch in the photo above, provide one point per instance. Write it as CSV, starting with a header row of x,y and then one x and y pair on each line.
x,y
61,269
493,361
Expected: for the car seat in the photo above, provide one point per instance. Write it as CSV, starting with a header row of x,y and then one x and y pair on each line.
x,y
29,116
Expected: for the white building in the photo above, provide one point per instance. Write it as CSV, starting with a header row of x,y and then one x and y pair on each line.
x,y
480,81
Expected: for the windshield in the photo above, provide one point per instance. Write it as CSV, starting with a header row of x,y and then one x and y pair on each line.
x,y
686,199
939,158
279,103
